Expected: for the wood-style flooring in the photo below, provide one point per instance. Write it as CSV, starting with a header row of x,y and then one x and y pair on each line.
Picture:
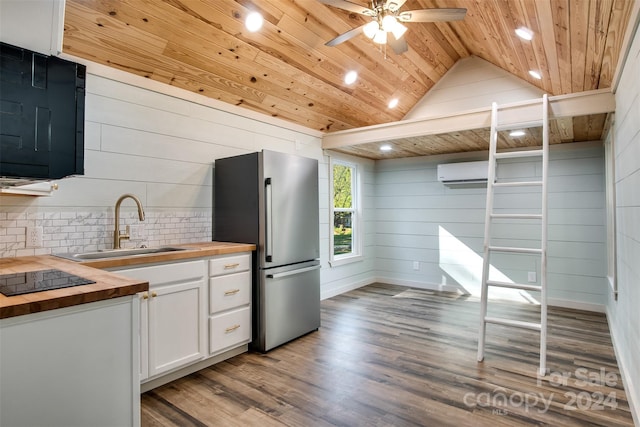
x,y
394,356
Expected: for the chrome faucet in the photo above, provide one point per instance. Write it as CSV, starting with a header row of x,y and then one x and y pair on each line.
x,y
117,237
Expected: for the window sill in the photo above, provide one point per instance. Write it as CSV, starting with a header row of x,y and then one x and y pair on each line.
x,y
346,260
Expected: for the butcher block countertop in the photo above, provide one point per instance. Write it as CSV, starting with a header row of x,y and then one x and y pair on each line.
x,y
107,285
192,250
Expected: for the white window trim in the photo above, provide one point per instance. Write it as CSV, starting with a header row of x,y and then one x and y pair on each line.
x,y
610,210
358,232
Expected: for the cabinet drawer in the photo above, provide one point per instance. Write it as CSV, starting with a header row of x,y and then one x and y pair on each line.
x,y
232,290
163,274
227,264
230,329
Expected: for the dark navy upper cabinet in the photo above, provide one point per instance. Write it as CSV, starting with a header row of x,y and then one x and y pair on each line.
x,y
41,115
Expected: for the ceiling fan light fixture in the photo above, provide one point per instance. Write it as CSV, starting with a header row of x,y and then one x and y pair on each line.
x,y
253,22
380,37
535,74
388,23
404,16
371,29
351,77
524,33
398,30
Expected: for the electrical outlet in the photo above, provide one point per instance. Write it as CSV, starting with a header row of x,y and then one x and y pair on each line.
x,y
34,237
532,277
416,265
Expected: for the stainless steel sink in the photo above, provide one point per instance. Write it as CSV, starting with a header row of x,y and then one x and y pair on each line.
x,y
117,253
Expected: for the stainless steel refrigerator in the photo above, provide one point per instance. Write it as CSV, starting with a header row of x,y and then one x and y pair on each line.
x,y
271,199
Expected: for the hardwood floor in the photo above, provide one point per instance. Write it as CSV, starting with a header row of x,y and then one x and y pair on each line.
x,y
394,356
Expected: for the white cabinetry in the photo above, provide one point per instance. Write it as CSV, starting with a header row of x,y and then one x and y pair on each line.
x,y
173,328
229,302
186,323
35,24
73,366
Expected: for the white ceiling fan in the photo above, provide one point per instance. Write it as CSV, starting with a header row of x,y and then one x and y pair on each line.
x,y
387,18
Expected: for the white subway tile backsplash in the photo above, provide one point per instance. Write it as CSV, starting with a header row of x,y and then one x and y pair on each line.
x,y
71,231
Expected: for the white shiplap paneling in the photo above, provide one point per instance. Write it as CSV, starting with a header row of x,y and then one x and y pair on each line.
x,y
623,313
472,83
441,227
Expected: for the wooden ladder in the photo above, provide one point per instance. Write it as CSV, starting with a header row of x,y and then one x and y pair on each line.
x,y
490,215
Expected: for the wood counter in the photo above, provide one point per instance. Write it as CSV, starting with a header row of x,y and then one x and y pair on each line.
x,y
108,285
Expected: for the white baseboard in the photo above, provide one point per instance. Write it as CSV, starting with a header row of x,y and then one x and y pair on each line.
x,y
576,305
629,384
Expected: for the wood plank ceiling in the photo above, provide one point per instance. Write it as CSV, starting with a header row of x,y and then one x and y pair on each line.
x,y
285,70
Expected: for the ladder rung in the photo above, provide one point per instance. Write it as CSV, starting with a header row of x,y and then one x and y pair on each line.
x,y
516,183
516,323
516,154
523,286
518,250
516,216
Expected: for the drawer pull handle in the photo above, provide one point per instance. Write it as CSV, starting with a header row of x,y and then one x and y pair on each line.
x,y
153,294
145,295
231,329
230,266
231,292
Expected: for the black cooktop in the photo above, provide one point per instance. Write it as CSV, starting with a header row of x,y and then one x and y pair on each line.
x,y
37,281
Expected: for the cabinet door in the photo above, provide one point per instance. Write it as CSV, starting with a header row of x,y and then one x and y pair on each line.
x,y
177,326
173,317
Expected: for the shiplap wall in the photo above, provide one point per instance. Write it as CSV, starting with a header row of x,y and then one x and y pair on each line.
x,y
623,313
160,148
472,83
442,227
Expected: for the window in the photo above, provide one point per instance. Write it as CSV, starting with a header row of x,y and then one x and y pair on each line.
x,y
345,233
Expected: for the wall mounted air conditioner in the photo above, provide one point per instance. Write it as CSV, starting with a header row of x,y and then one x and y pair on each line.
x,y
464,173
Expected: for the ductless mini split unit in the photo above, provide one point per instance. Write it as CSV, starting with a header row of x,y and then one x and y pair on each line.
x,y
464,173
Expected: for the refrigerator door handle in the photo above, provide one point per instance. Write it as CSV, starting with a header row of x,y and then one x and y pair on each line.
x,y
292,272
268,218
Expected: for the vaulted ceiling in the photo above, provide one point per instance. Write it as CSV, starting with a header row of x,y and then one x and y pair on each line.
x,y
285,70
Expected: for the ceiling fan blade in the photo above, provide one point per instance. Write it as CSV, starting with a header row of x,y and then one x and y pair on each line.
x,y
394,5
351,7
345,36
432,15
399,46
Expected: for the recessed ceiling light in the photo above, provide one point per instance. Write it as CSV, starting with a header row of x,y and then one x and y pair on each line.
x,y
524,33
253,22
535,74
516,133
350,77
393,103
385,147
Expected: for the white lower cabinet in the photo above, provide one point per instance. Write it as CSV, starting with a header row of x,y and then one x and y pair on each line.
x,y
193,310
71,367
229,302
173,323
